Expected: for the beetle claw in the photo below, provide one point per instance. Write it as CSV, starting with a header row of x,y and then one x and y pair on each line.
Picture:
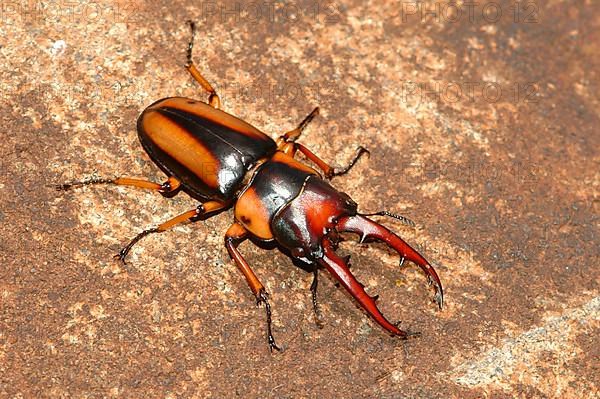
x,y
121,256
272,345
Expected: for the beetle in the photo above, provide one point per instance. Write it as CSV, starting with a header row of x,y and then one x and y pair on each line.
x,y
224,162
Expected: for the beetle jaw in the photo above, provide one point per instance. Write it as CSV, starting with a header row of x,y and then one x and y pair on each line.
x,y
369,230
338,267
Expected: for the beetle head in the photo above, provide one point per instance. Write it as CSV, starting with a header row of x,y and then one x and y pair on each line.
x,y
310,226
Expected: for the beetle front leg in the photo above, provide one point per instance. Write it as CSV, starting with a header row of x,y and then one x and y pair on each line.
x,y
234,237
190,216
168,189
213,98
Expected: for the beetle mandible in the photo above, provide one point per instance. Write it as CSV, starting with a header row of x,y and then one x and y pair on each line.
x,y
225,162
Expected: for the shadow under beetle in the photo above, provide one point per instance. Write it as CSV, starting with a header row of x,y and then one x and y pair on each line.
x,y
225,162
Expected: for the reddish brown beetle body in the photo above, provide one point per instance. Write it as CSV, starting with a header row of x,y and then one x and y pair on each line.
x,y
223,161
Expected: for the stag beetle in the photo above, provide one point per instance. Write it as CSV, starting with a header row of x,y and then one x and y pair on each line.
x,y
225,162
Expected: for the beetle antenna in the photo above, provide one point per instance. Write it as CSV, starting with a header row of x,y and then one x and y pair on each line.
x,y
403,219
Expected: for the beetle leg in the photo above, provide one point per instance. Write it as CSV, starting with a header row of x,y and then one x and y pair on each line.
x,y
190,216
168,189
328,170
313,290
293,135
234,237
213,98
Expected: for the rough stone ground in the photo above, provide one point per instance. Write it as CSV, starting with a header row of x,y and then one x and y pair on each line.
x,y
483,126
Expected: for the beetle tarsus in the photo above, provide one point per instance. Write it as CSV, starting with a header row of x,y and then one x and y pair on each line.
x,y
191,42
316,308
305,123
293,135
125,250
262,297
359,152
81,183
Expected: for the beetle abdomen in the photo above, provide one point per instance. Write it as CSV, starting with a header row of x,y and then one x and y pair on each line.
x,y
208,150
276,183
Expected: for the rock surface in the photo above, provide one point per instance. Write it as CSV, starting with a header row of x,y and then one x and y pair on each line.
x,y
482,123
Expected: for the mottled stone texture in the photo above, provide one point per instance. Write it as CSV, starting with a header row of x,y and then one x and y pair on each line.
x,y
482,121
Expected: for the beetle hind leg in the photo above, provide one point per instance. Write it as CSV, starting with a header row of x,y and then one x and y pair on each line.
x,y
190,216
168,189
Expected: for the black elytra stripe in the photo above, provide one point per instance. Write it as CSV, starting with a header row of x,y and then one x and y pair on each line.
x,y
231,168
224,139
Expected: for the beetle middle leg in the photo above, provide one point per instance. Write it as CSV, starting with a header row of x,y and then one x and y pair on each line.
x,y
287,144
189,216
329,171
234,237
213,97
